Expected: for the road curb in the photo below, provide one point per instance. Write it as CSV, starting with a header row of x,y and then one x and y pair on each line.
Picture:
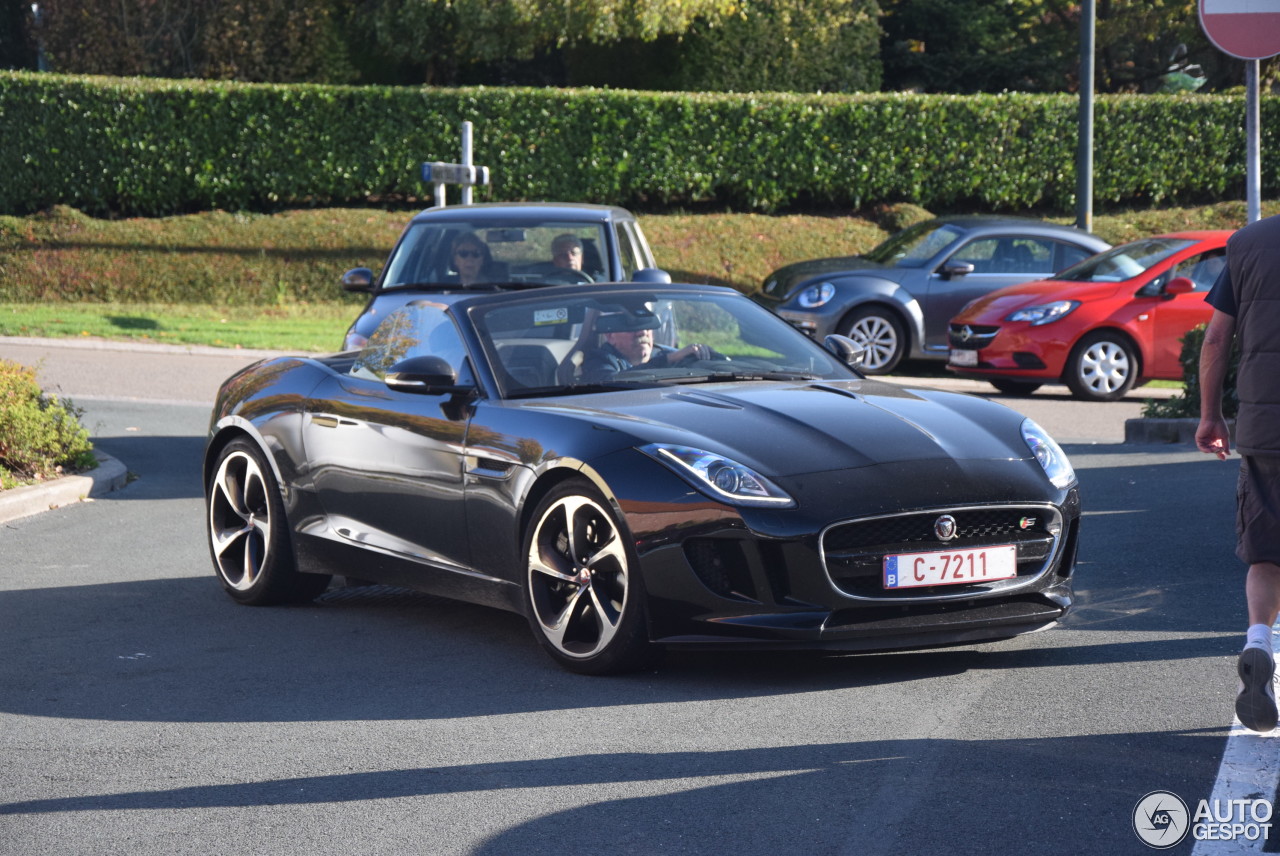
x,y
1182,430
109,475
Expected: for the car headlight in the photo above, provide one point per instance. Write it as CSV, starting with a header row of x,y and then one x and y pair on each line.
x,y
719,477
1049,454
1045,313
816,295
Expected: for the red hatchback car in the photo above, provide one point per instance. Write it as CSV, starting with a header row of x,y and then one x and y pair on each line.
x,y
1100,327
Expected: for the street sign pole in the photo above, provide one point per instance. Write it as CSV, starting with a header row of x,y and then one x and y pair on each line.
x,y
1247,30
1084,146
1253,142
466,174
466,160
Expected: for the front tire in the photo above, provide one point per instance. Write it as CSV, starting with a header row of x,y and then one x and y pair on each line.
x,y
1102,367
881,335
583,592
249,533
1016,387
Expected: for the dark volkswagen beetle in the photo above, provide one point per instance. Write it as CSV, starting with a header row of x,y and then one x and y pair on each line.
x,y
532,449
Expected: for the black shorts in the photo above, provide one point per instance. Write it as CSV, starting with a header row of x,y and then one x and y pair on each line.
x,y
1258,510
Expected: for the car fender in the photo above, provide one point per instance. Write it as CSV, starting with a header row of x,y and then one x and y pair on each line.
x,y
229,428
1120,332
855,292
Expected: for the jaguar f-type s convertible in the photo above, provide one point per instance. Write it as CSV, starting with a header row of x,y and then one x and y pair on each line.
x,y
533,449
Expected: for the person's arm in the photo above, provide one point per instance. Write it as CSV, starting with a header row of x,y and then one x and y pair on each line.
x,y
1212,435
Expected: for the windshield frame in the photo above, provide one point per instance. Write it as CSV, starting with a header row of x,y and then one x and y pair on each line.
x,y
518,250
782,353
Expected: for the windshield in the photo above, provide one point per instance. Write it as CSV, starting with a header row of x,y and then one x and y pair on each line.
x,y
915,245
1124,262
605,339
529,249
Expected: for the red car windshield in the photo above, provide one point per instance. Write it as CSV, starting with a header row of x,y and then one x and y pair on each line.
x,y
1124,262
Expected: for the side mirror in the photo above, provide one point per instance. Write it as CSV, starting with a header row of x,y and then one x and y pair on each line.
x,y
651,275
953,269
358,279
1179,285
429,375
849,351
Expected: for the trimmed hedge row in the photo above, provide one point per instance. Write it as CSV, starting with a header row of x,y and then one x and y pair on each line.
x,y
153,147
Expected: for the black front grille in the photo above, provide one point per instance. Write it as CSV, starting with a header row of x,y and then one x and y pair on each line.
x,y
854,552
971,337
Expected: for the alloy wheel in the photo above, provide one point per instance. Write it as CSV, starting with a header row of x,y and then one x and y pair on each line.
x,y
578,577
239,521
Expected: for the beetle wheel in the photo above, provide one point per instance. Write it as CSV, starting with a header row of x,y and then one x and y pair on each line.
x,y
881,336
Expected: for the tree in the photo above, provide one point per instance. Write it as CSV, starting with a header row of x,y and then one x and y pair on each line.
x,y
281,41
266,40
17,48
792,45
1034,45
440,36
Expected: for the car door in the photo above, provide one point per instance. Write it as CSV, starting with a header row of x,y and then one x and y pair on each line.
x,y
1178,313
387,464
996,262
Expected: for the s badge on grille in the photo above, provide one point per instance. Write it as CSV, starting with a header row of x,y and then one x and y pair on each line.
x,y
945,527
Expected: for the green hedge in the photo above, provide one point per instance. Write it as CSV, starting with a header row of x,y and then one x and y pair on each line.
x,y
152,147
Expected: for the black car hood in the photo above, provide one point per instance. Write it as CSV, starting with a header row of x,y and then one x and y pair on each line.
x,y
791,429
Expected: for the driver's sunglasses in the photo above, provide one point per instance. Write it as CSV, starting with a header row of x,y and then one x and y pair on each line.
x,y
468,254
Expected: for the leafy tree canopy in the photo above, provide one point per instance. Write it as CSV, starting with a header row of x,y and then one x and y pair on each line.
x,y
457,32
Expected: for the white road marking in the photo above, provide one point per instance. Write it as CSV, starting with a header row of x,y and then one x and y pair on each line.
x,y
1250,770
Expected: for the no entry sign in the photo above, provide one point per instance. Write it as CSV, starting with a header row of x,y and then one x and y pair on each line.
x,y
1246,29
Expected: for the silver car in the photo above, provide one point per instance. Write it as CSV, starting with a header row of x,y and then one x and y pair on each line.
x,y
897,300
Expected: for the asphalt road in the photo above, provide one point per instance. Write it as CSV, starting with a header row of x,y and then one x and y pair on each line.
x,y
142,712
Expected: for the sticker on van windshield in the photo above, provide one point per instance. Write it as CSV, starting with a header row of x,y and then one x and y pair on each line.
x,y
550,316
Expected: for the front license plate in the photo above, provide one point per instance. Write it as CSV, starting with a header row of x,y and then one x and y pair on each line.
x,y
963,358
950,567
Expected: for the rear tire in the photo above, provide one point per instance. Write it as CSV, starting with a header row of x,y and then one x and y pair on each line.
x,y
881,335
1102,367
583,593
248,532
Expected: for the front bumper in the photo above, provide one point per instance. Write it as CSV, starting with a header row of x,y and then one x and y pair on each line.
x,y
1001,352
730,587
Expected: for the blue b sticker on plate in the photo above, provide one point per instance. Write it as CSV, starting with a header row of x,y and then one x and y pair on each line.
x,y
550,316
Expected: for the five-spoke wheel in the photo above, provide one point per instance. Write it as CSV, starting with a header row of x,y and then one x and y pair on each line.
x,y
583,592
248,532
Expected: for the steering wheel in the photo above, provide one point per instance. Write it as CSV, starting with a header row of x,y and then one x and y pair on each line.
x,y
566,276
700,353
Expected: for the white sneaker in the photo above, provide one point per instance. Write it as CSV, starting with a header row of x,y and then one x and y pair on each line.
x,y
1256,704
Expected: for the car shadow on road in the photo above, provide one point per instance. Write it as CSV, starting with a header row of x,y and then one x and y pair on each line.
x,y
981,796
128,651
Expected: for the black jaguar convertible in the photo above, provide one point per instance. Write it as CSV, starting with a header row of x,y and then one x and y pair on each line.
x,y
534,449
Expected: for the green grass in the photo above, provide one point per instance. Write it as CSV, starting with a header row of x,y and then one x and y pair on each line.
x,y
301,327
271,281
